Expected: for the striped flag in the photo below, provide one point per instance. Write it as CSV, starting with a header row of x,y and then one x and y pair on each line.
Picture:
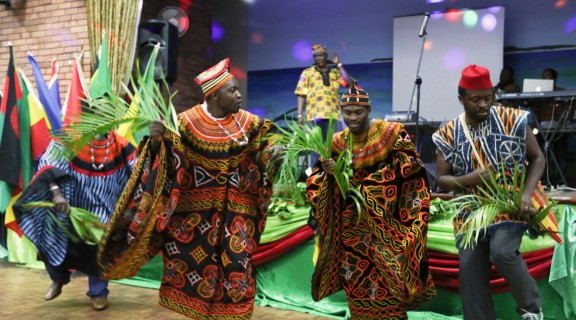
x,y
39,125
51,107
53,87
10,140
10,150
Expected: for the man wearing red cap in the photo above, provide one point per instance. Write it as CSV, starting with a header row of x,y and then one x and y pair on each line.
x,y
470,148
200,198
377,255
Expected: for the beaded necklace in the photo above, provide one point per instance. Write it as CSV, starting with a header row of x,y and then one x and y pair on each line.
x,y
244,137
92,146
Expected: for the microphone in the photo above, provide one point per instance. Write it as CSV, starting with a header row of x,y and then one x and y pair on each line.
x,y
424,24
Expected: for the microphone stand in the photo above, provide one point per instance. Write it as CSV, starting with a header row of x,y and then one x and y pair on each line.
x,y
416,88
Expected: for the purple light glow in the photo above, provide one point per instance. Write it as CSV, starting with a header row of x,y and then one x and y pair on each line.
x,y
454,59
489,22
217,32
437,15
258,111
496,9
302,51
434,1
570,25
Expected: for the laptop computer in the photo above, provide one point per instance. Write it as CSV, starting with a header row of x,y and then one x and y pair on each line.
x,y
537,85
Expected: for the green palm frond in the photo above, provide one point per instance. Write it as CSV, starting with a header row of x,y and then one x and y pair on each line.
x,y
110,111
85,225
299,138
501,193
286,183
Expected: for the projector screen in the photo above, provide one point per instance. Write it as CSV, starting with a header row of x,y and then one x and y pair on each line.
x,y
455,39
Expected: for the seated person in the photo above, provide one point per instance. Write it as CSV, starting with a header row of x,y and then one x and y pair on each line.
x,y
506,84
549,111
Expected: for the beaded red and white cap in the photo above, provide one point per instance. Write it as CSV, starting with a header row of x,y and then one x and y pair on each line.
x,y
215,77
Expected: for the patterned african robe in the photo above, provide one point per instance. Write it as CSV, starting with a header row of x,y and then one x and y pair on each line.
x,y
86,187
322,102
378,256
501,139
202,201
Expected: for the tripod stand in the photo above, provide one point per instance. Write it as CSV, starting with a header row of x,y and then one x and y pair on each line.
x,y
416,88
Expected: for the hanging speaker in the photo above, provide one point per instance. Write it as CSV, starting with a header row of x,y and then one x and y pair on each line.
x,y
161,32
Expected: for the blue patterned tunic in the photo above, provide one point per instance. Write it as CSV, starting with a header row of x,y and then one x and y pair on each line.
x,y
500,140
93,185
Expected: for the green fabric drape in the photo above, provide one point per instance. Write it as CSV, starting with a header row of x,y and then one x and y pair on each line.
x,y
563,269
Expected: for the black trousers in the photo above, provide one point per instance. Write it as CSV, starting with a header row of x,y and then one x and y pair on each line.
x,y
501,249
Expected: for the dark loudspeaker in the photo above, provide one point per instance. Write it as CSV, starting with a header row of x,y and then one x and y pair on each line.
x,y
150,33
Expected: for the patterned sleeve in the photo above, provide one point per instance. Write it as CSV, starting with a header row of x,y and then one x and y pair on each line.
x,y
513,119
443,138
302,86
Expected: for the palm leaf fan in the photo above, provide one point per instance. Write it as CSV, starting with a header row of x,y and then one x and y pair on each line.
x,y
501,193
85,225
298,138
109,111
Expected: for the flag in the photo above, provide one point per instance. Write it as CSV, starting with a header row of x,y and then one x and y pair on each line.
x,y
10,151
26,168
76,93
51,107
10,142
125,129
53,86
39,124
101,83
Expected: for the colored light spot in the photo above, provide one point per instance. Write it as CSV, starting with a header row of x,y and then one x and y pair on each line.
x,y
257,38
428,45
570,25
437,15
453,15
302,51
217,32
470,19
560,4
238,73
454,59
496,9
489,22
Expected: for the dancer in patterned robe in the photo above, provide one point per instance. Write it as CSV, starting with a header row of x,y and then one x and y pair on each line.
x,y
377,255
93,180
201,199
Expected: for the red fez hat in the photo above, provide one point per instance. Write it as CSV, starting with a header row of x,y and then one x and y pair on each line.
x,y
215,77
475,78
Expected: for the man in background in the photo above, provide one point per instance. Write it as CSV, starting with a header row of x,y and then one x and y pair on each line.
x,y
318,91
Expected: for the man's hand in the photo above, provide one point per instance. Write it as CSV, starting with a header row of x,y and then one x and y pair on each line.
x,y
328,165
335,58
157,131
60,203
526,205
275,152
301,119
484,175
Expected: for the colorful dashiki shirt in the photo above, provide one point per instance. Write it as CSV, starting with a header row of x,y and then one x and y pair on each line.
x,y
202,201
94,185
500,140
379,255
322,102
